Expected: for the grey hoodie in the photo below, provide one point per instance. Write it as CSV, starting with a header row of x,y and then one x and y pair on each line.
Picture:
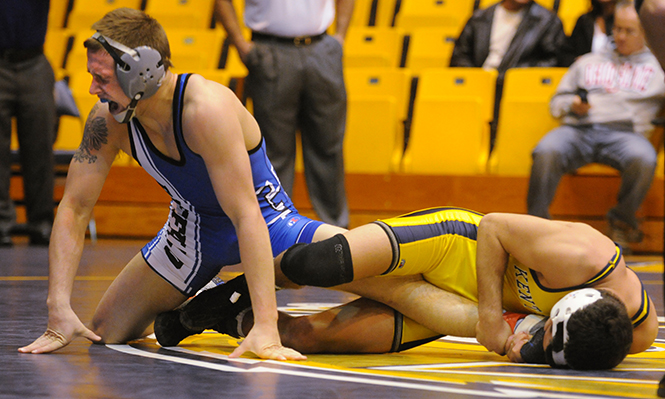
x,y
621,89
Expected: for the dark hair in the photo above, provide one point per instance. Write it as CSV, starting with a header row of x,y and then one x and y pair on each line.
x,y
597,8
599,335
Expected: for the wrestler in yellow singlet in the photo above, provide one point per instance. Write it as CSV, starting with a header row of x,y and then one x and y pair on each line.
x,y
440,244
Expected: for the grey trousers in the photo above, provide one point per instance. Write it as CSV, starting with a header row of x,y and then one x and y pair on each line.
x,y
302,87
26,93
567,148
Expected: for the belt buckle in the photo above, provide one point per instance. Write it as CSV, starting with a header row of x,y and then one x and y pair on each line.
x,y
302,41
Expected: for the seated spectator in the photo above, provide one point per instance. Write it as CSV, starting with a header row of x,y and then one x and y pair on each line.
x,y
605,102
509,34
591,33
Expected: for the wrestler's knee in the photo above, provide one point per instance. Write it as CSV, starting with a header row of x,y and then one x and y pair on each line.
x,y
323,264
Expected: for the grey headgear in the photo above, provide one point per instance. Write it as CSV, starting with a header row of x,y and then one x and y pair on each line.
x,y
140,72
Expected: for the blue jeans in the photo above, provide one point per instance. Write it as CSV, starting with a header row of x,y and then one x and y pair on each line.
x,y
567,148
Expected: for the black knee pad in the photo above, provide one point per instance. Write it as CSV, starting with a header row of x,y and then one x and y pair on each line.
x,y
325,263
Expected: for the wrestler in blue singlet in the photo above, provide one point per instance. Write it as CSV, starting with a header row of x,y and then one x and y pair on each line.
x,y
198,238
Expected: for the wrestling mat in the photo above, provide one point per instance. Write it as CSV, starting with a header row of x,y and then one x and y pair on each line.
x,y
451,366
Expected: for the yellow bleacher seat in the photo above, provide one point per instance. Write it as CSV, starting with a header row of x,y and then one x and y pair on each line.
x,y
487,3
570,10
373,13
423,13
362,11
524,118
70,128
86,12
371,142
450,131
56,13
431,48
373,47
195,48
55,46
390,82
377,103
386,12
182,14
77,59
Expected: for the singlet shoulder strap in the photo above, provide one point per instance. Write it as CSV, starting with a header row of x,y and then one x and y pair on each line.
x,y
609,268
643,311
178,102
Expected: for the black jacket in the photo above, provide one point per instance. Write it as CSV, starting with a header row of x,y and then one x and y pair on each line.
x,y
537,42
581,40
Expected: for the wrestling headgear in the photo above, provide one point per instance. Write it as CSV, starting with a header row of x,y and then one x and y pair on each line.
x,y
560,315
140,72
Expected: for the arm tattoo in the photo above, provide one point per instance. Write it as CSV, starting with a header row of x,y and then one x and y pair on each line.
x,y
95,135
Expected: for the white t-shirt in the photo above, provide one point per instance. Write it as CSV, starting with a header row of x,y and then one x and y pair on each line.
x,y
600,39
504,27
289,18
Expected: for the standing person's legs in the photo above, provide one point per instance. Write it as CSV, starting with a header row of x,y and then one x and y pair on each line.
x,y
634,156
561,151
322,122
36,124
274,84
132,302
7,106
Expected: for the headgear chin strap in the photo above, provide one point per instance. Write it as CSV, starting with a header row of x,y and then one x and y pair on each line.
x,y
140,72
560,315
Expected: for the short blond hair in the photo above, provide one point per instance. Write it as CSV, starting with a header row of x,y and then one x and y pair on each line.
x,y
133,28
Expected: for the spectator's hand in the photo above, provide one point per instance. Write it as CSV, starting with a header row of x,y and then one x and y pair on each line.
x,y
244,48
266,346
62,329
339,38
578,107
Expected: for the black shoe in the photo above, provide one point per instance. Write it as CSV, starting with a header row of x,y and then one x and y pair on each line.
x,y
661,387
40,234
212,307
168,329
5,239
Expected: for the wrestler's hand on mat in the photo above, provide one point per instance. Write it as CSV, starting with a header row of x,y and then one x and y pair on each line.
x,y
61,330
266,344
493,334
514,346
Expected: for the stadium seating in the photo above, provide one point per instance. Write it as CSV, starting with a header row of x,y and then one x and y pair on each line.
x,y
195,48
524,118
376,111
55,47
57,13
85,12
450,131
182,14
76,59
430,48
372,47
429,13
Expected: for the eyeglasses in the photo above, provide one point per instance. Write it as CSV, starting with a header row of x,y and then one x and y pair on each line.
x,y
627,31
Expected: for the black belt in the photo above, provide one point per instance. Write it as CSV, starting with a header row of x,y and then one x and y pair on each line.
x,y
296,41
15,55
